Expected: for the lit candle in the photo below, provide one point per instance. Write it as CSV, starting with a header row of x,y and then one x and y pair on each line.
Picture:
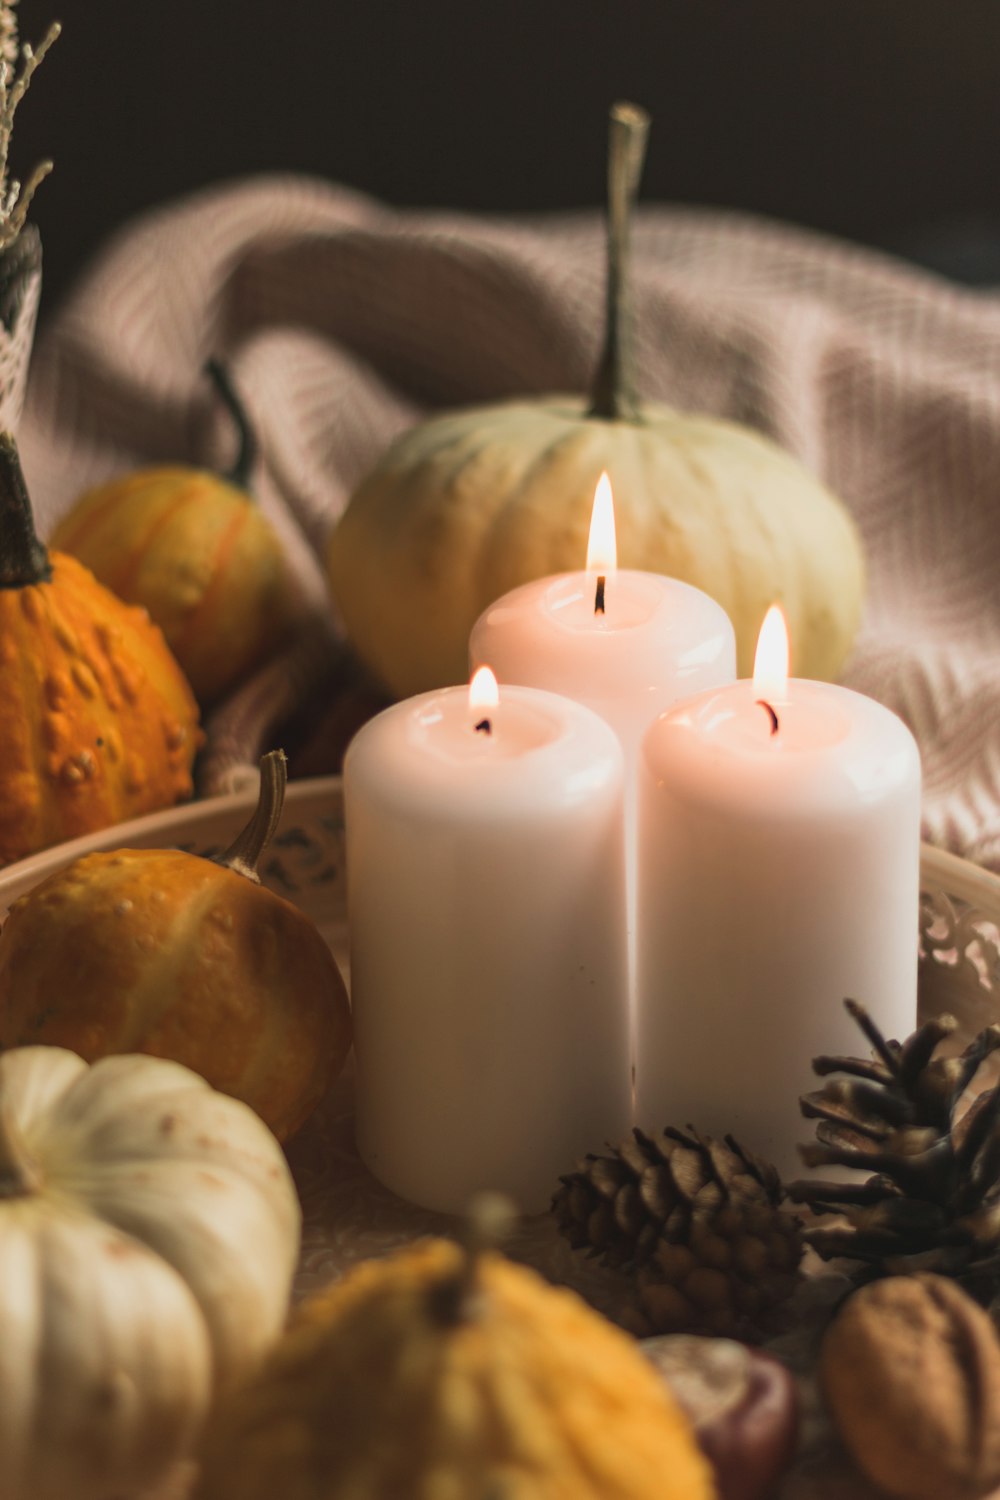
x,y
624,642
486,896
779,828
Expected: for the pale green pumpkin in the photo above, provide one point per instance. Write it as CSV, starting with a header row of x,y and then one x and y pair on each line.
x,y
472,503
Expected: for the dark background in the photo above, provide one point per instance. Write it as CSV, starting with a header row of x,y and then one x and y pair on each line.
x,y
878,120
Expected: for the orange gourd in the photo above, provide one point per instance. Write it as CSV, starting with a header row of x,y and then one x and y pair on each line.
x,y
193,548
190,959
443,1373
98,722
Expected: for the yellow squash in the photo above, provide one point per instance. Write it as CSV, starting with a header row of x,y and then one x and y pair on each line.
x,y
422,1376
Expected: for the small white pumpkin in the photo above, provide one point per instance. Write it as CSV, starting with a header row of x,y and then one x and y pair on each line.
x,y
471,504
149,1232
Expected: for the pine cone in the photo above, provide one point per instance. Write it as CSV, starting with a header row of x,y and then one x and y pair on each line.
x,y
934,1201
698,1221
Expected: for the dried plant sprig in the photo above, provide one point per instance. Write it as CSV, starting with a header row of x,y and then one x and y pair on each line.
x,y
15,198
8,31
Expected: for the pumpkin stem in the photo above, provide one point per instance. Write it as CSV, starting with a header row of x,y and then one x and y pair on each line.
x,y
246,849
23,559
246,455
613,396
457,1299
18,1175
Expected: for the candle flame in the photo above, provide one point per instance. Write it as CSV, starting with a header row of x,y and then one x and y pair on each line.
x,y
484,690
770,665
602,549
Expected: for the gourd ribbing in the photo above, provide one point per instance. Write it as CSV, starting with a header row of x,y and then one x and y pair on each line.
x,y
613,397
23,558
18,1177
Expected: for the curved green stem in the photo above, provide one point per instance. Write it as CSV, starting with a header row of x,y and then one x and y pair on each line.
x,y
613,396
246,849
23,558
246,453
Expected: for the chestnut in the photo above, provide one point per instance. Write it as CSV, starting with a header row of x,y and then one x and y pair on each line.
x,y
742,1403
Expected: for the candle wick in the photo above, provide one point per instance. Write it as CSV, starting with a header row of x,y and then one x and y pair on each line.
x,y
599,596
485,726
771,714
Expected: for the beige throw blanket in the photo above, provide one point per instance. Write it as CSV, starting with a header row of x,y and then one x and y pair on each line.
x,y
345,321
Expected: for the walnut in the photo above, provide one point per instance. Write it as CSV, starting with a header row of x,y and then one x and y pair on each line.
x,y
911,1372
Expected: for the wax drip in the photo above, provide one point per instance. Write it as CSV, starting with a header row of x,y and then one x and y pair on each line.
x,y
761,703
599,595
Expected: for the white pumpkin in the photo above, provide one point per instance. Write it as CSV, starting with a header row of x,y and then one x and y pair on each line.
x,y
471,504
149,1232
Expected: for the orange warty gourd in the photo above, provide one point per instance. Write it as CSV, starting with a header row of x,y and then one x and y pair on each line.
x,y
193,548
190,959
98,722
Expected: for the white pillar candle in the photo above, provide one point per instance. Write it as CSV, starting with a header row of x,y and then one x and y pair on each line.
x,y
626,643
486,898
779,843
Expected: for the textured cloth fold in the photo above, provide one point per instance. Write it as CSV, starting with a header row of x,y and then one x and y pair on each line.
x,y
344,322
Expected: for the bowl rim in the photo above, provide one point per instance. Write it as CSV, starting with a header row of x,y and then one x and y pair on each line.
x,y
165,829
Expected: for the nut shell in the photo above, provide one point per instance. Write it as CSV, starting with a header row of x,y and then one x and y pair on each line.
x,y
910,1370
